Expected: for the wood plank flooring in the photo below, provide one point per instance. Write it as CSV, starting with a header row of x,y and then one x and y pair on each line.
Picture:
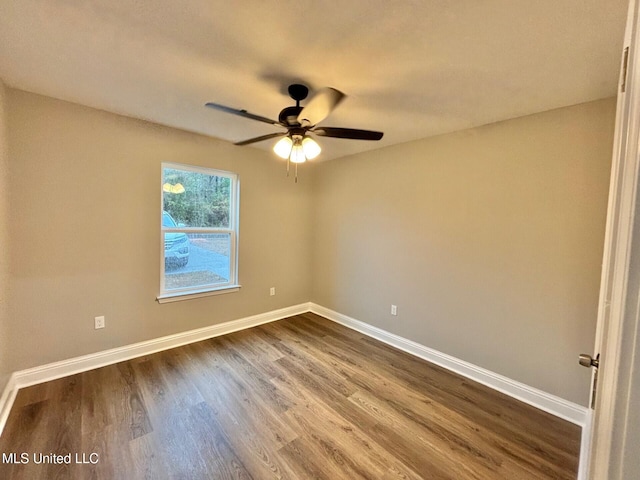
x,y
300,398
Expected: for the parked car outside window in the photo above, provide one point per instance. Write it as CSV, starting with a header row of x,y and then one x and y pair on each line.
x,y
176,244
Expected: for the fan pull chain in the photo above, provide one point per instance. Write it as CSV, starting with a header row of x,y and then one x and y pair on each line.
x,y
296,173
288,162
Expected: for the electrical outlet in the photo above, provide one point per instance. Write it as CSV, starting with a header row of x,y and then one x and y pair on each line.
x,y
272,291
394,310
99,322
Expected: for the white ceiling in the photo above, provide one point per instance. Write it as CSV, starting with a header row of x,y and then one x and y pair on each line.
x,y
411,68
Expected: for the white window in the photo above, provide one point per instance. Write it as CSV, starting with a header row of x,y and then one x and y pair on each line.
x,y
199,232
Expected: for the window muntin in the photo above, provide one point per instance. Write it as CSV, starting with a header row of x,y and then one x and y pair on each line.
x,y
199,230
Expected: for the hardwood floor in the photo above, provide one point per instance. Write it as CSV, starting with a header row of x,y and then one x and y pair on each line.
x,y
300,398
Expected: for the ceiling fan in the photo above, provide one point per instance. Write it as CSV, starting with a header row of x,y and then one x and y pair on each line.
x,y
296,145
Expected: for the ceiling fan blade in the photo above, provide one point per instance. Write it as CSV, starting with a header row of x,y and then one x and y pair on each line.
x,y
320,106
259,139
242,113
347,133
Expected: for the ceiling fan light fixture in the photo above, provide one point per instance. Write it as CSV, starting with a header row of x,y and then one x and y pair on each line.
x,y
297,151
311,148
297,154
283,147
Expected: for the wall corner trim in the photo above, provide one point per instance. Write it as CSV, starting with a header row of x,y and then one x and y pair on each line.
x,y
552,404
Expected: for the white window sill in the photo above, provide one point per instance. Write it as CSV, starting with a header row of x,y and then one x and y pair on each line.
x,y
180,296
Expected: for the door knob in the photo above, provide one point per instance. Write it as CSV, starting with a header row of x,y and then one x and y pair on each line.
x,y
587,361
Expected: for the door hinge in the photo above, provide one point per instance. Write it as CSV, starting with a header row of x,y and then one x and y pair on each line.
x,y
625,63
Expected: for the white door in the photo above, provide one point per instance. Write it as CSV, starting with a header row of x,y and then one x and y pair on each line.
x,y
606,435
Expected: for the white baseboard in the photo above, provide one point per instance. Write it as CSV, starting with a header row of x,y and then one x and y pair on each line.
x,y
557,406
52,371
64,368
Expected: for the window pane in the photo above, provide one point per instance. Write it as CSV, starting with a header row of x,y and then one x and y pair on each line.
x,y
196,259
196,199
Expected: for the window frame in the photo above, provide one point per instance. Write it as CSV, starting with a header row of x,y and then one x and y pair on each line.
x,y
232,230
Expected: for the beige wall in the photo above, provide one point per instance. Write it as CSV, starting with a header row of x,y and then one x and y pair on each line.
x,y
85,190
4,241
489,241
